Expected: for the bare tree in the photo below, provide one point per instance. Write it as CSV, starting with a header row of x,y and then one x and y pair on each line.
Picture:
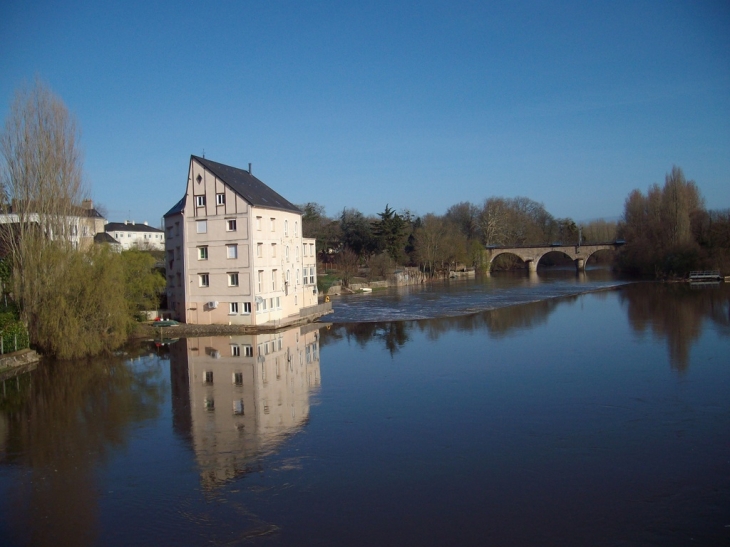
x,y
41,178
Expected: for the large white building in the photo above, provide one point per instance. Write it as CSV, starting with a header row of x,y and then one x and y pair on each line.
x,y
235,253
130,234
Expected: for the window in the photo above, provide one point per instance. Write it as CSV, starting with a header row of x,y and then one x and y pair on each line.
x,y
248,350
278,307
287,253
201,226
209,404
231,225
304,252
238,407
311,249
238,378
259,250
235,351
297,277
200,201
232,308
203,280
202,253
232,251
296,228
233,282
271,303
273,250
305,276
247,307
220,199
296,253
273,280
208,377
261,281
286,227
258,223
311,276
177,229
273,224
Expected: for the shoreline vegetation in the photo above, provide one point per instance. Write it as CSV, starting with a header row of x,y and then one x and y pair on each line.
x,y
71,302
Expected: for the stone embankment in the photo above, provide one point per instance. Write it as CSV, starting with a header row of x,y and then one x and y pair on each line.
x,y
18,362
307,315
400,278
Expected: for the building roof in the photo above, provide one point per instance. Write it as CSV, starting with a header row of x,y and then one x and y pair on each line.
x,y
103,237
130,227
177,208
247,186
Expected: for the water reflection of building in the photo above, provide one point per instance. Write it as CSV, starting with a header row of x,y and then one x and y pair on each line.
x,y
238,397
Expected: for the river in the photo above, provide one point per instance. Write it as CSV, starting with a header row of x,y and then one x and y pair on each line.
x,y
509,410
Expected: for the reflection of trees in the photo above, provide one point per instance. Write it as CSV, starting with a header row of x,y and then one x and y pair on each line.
x,y
676,312
73,414
497,323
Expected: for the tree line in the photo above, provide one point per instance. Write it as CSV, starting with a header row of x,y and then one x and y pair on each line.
x,y
436,243
73,301
667,233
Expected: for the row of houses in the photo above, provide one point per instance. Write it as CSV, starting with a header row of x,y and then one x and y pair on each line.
x,y
86,226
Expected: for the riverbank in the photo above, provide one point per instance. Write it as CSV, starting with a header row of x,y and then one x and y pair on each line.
x,y
18,362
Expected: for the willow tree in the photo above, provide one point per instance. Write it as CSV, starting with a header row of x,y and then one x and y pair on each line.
x,y
41,183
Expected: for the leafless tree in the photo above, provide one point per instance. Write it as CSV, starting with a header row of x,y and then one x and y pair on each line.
x,y
42,185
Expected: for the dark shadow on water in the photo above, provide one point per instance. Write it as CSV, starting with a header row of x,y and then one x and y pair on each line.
x,y
70,417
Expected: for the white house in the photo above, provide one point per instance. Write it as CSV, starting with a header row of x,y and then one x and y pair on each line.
x,y
235,253
130,235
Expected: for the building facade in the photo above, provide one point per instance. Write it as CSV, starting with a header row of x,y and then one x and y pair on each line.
x,y
131,235
234,251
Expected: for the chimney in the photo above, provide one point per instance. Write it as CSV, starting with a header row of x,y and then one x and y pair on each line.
x,y
249,168
87,204
145,223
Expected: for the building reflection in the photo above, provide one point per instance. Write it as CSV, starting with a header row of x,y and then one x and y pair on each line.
x,y
236,398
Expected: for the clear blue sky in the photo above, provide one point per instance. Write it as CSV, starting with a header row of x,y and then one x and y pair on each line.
x,y
357,104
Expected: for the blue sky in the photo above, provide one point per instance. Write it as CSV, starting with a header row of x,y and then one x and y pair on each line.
x,y
420,105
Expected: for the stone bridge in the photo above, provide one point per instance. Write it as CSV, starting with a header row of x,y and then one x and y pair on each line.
x,y
532,254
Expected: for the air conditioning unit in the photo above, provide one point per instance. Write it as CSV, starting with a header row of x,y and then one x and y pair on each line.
x,y
213,304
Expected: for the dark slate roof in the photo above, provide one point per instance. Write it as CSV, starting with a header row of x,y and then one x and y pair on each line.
x,y
129,227
103,237
177,208
92,213
247,186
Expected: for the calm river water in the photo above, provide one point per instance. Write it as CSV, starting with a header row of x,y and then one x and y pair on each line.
x,y
573,411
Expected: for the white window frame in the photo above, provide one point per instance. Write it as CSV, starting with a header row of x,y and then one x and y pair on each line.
x,y
200,201
220,199
230,225
246,308
232,308
201,226
203,280
203,252
259,250
235,350
233,279
232,251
